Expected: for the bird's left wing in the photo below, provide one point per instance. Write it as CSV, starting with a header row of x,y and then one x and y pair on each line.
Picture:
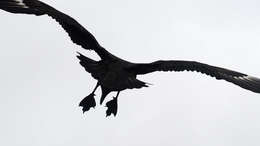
x,y
77,32
240,79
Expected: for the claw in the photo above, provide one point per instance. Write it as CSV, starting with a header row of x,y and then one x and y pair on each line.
x,y
112,107
88,102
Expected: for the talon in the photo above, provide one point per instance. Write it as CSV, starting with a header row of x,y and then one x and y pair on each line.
x,y
112,107
88,102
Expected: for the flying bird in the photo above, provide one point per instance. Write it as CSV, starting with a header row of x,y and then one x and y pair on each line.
x,y
112,73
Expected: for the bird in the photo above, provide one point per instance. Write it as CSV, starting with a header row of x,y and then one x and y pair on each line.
x,y
112,73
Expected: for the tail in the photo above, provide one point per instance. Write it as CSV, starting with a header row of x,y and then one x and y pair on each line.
x,y
24,6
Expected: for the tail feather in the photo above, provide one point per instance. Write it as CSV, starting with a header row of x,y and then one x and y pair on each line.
x,y
135,83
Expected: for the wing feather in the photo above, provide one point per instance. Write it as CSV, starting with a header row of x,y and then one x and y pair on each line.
x,y
243,80
78,34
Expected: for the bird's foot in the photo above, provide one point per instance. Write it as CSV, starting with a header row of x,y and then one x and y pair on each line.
x,y
88,102
112,107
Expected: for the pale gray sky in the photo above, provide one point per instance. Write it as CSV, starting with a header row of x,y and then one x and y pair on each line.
x,y
42,82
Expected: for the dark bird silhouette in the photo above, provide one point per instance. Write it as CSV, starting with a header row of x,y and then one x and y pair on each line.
x,y
113,73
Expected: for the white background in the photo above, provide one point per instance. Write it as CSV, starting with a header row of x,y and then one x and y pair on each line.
x,y
42,83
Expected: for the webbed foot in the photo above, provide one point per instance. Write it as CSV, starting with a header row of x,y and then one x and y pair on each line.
x,y
88,102
112,107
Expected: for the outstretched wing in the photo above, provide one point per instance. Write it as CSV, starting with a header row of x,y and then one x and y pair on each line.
x,y
240,79
77,33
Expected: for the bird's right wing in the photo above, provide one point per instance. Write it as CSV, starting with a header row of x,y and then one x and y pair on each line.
x,y
77,32
240,79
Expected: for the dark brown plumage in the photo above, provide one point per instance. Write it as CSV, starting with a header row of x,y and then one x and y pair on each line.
x,y
113,73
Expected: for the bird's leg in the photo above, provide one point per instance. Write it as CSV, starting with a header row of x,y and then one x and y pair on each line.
x,y
112,106
105,92
89,101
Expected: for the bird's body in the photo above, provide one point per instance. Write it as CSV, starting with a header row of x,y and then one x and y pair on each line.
x,y
113,73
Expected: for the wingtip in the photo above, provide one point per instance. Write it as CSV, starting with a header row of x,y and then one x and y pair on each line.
x,y
249,82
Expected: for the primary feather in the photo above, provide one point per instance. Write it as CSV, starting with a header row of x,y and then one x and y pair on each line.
x,y
78,34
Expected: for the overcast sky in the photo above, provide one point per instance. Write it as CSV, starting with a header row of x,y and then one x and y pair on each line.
x,y
42,82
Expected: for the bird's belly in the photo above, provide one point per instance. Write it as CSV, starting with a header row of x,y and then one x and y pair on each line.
x,y
115,81
119,82
114,84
